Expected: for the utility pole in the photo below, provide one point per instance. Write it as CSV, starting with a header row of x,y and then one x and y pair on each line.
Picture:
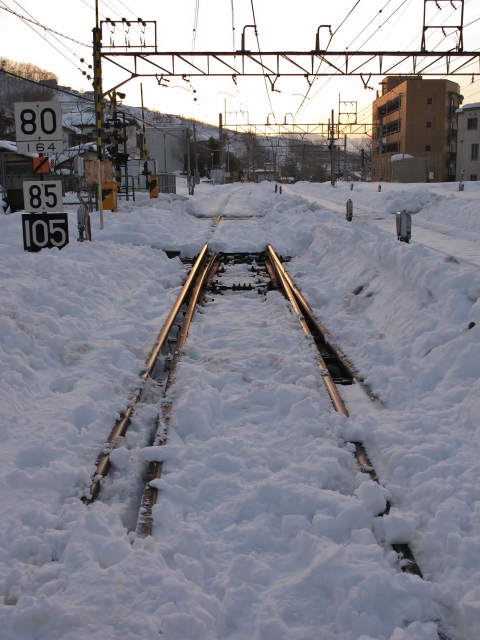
x,y
144,137
220,143
196,150
190,182
97,85
332,152
164,151
97,80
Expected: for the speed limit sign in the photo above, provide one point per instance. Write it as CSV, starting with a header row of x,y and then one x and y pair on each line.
x,y
38,127
41,197
44,231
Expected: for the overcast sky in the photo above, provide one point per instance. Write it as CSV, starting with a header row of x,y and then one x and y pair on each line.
x,y
282,26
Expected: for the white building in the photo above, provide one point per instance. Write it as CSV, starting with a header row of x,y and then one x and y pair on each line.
x,y
468,143
166,145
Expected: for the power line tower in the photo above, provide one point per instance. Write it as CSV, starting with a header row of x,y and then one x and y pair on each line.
x,y
458,28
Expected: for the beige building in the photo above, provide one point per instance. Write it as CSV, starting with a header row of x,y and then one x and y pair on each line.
x,y
415,117
468,152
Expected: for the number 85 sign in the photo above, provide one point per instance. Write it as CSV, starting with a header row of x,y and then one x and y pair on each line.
x,y
42,196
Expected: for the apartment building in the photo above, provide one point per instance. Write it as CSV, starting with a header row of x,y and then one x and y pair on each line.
x,y
415,118
468,143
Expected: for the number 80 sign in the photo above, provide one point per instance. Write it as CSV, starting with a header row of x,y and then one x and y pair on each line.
x,y
38,127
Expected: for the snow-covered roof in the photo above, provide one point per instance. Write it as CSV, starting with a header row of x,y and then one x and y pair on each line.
x,y
78,150
7,146
400,156
468,107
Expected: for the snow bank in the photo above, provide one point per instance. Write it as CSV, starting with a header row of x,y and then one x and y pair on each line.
x,y
247,544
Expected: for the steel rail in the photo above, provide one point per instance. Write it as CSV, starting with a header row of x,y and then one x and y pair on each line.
x,y
337,401
122,424
154,470
327,338
323,331
360,452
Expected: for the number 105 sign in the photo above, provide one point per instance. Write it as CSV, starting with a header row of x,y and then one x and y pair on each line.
x,y
44,231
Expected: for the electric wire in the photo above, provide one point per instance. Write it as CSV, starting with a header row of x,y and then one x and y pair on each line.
x,y
353,41
316,73
344,20
233,26
133,26
54,36
321,61
261,60
195,24
51,43
42,26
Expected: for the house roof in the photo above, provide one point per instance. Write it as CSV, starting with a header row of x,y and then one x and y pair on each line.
x,y
7,146
78,150
467,107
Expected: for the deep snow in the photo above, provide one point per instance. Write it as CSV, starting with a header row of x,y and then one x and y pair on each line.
x,y
264,527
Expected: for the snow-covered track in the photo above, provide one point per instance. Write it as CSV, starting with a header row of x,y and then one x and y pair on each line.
x,y
121,426
261,275
212,277
338,366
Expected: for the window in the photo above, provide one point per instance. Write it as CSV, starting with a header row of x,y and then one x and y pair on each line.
x,y
472,123
393,147
389,107
429,101
429,125
391,128
428,148
474,152
473,177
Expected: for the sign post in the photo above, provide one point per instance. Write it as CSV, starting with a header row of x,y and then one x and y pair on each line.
x,y
40,228
39,131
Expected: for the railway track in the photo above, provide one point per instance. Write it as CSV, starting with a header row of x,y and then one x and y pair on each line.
x,y
214,277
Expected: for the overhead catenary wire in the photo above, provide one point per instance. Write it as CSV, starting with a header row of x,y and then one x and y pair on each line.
x,y
353,41
42,26
53,35
447,17
261,60
320,64
233,26
51,43
195,25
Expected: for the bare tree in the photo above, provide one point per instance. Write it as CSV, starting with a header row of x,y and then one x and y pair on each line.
x,y
26,87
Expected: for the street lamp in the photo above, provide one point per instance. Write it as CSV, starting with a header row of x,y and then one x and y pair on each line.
x,y
285,118
270,114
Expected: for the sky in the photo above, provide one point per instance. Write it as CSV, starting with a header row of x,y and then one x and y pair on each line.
x,y
282,26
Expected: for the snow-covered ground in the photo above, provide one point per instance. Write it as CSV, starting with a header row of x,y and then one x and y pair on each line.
x,y
264,527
